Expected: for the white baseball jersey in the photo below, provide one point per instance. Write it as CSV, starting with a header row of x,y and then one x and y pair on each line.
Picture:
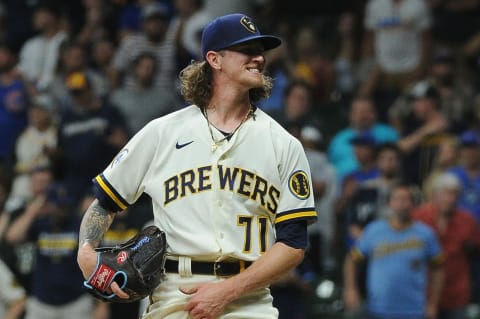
x,y
214,204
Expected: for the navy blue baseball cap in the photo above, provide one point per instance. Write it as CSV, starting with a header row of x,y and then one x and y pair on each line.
x,y
364,138
58,194
232,29
470,138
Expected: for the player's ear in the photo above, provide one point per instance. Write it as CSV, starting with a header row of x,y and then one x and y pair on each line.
x,y
213,58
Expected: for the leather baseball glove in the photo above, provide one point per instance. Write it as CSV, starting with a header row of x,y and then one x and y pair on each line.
x,y
136,265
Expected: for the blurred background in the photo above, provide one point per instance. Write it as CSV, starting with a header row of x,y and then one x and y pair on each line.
x,y
378,92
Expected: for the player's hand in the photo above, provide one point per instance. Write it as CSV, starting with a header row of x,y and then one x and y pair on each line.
x,y
207,302
87,261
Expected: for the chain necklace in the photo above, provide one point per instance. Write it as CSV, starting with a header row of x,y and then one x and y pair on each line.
x,y
217,143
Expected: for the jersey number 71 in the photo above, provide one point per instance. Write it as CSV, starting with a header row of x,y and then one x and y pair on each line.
x,y
246,222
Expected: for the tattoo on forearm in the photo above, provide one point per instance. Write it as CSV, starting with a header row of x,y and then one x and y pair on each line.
x,y
94,225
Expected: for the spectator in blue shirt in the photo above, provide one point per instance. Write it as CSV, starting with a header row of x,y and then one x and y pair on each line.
x,y
364,145
13,105
363,118
400,252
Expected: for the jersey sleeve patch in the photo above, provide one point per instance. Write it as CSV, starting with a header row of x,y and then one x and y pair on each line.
x,y
120,156
111,195
299,185
309,214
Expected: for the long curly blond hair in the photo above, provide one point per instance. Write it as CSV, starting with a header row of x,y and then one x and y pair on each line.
x,y
196,85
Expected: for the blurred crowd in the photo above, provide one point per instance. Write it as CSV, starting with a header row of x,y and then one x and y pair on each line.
x,y
381,93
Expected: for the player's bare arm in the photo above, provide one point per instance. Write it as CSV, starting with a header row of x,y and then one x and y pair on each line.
x,y
95,223
210,299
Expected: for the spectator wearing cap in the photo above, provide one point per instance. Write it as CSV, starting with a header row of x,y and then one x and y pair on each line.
x,y
364,144
429,128
157,38
455,94
370,199
89,125
52,223
131,15
459,236
40,54
362,118
33,146
420,96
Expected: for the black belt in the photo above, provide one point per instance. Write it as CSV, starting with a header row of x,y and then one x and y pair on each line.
x,y
220,269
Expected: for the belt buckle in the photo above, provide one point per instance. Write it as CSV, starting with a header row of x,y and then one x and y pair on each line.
x,y
217,270
216,266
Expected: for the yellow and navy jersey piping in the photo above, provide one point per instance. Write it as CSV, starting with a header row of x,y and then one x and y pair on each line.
x,y
107,188
307,213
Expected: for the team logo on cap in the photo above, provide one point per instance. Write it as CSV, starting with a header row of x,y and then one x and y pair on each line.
x,y
299,185
248,24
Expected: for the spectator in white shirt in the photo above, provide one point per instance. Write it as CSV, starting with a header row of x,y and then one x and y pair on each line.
x,y
39,55
398,33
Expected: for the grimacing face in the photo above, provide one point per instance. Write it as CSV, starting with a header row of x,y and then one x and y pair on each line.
x,y
244,64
